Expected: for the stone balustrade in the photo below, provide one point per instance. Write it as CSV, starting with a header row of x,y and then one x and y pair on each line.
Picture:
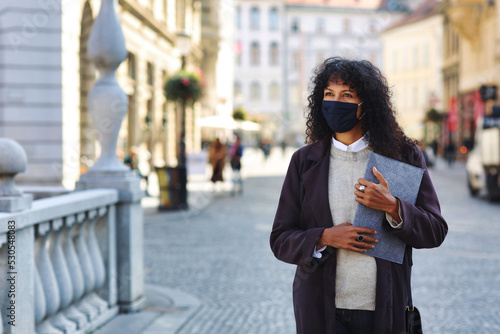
x,y
58,261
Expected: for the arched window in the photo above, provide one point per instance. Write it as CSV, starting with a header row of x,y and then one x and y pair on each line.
x,y
320,25
273,19
255,54
238,90
238,17
295,25
274,54
274,91
255,91
254,18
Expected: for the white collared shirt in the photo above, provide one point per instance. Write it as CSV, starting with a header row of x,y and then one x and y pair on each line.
x,y
357,146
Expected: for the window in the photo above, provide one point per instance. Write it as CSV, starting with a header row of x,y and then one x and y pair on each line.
x,y
394,60
255,53
415,96
131,65
239,52
274,54
425,56
274,93
206,13
295,27
255,91
415,57
238,17
165,9
347,26
295,61
254,18
150,74
273,19
238,92
373,28
181,14
320,25
320,57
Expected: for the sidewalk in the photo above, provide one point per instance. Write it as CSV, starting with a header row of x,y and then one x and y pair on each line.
x,y
169,310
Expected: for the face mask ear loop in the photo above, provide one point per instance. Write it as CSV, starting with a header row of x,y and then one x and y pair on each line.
x,y
359,119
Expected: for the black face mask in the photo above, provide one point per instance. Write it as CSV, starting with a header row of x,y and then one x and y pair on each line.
x,y
340,116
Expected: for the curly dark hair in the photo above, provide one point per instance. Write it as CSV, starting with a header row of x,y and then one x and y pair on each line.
x,y
385,135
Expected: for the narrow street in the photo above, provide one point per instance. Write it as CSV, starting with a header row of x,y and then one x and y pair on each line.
x,y
221,255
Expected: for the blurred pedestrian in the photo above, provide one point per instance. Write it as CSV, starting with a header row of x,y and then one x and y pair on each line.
x,y
450,153
235,155
338,289
266,148
217,153
132,161
283,147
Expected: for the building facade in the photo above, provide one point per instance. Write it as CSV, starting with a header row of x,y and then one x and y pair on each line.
x,y
470,61
279,43
46,76
259,53
413,61
316,30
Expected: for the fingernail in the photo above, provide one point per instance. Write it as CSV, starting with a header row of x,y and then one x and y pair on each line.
x,y
375,168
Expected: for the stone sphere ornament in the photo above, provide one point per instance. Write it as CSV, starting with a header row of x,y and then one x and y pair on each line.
x,y
13,160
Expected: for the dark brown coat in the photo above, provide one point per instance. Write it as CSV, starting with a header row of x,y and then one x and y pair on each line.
x,y
302,215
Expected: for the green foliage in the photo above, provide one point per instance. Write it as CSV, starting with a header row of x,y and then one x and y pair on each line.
x,y
433,115
183,86
239,114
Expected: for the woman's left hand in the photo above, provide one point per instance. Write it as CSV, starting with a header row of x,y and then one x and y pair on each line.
x,y
377,196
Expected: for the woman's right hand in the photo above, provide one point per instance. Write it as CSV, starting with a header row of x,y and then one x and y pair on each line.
x,y
344,236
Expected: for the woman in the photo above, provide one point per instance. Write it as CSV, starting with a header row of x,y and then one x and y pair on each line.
x,y
217,157
338,289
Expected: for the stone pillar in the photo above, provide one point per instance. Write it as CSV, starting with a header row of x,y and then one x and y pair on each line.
x,y
108,107
12,161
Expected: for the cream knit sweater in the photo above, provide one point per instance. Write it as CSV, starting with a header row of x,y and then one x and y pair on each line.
x,y
356,273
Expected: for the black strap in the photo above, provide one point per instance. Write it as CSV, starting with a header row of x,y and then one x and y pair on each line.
x,y
408,261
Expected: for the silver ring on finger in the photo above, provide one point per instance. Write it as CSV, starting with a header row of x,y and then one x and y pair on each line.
x,y
360,238
362,188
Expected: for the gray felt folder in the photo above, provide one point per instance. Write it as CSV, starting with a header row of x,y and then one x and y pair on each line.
x,y
404,183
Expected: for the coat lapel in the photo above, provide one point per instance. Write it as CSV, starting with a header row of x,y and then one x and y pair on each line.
x,y
315,181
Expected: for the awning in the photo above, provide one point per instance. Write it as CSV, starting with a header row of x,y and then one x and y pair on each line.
x,y
226,122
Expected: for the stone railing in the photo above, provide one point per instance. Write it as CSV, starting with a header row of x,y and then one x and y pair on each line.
x,y
58,264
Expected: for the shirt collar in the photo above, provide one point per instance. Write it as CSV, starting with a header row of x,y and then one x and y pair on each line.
x,y
357,146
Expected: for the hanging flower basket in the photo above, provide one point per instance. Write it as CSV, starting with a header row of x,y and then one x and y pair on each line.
x,y
183,87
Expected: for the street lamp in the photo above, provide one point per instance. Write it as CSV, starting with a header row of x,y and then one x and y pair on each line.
x,y
184,47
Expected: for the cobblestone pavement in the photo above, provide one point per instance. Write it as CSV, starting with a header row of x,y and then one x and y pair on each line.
x,y
221,255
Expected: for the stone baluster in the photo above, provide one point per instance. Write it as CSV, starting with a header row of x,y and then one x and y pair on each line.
x,y
41,306
62,274
107,101
89,276
97,260
75,269
47,278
